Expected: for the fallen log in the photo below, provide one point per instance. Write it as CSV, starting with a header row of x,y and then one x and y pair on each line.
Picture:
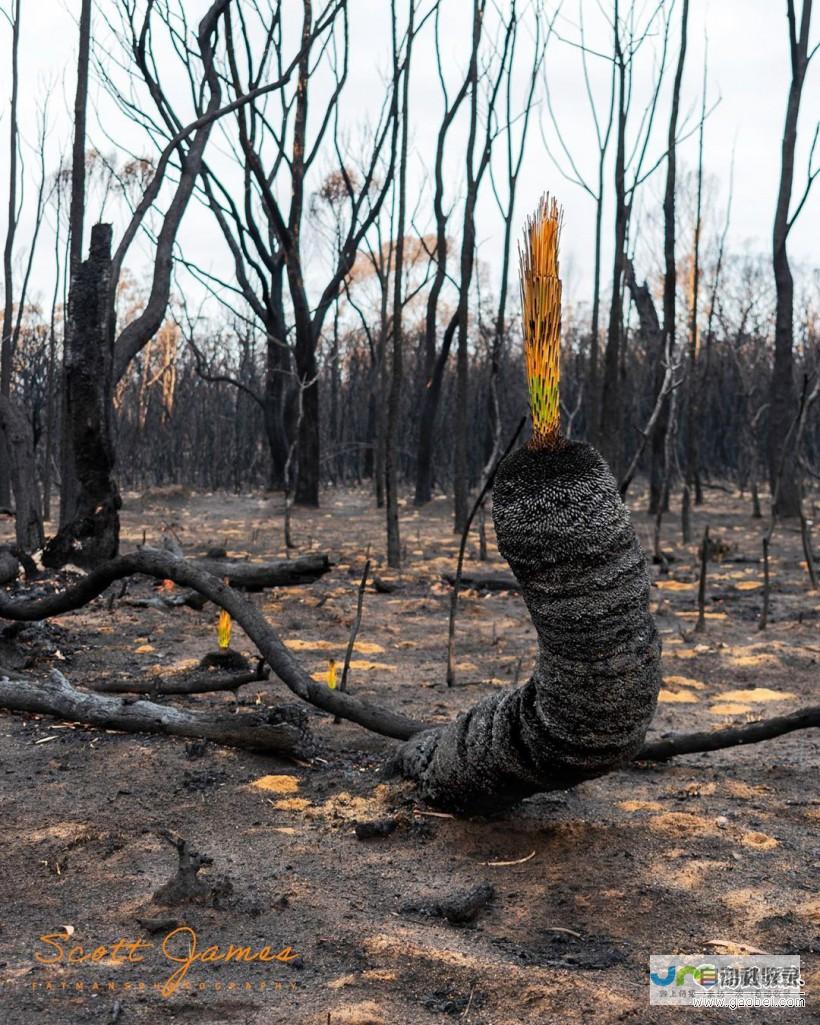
x,y
485,581
256,576
280,730
188,683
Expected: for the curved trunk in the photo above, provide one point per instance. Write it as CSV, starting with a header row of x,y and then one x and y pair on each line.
x,y
562,527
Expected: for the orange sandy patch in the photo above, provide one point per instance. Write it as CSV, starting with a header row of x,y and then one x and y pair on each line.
x,y
670,697
277,784
756,694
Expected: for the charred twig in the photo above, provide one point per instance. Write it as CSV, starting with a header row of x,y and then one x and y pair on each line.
x,y
354,631
764,612
805,535
700,626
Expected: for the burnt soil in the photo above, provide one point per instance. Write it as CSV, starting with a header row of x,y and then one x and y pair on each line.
x,y
713,853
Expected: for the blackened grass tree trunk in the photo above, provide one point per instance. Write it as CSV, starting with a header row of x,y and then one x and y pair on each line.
x,y
783,466
566,534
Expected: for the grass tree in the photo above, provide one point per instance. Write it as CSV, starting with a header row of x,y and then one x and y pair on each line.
x,y
566,534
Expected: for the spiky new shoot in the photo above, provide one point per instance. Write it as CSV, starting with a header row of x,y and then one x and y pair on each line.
x,y
224,625
541,312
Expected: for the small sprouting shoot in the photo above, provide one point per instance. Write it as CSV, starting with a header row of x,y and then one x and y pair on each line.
x,y
541,313
224,625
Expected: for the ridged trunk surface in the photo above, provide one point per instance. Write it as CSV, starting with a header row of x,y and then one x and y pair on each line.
x,y
567,536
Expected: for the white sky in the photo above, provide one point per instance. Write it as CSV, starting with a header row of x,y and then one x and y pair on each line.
x,y
748,70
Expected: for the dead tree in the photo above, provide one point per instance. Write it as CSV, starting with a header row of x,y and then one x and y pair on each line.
x,y
188,144
782,394
475,171
6,349
658,472
694,379
69,482
20,447
629,175
435,357
92,532
570,170
391,481
277,251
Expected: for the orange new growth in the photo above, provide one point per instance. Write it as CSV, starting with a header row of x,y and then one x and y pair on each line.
x,y
224,625
541,313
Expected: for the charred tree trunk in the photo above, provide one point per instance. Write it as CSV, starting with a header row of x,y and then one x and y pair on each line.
x,y
20,448
783,468
391,453
90,530
659,473
69,484
429,417
589,702
6,343
610,434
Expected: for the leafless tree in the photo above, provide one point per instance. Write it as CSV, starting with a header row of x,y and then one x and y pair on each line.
x,y
783,399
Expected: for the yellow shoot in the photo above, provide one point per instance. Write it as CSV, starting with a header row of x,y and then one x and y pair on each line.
x,y
541,313
224,625
331,674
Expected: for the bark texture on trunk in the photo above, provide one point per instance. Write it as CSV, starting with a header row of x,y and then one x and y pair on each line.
x,y
20,448
90,529
567,536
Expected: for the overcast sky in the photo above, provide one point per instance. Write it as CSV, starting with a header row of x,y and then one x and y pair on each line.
x,y
748,74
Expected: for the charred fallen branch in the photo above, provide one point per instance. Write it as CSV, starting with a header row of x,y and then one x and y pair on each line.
x,y
485,581
732,736
185,683
281,730
256,576
165,566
